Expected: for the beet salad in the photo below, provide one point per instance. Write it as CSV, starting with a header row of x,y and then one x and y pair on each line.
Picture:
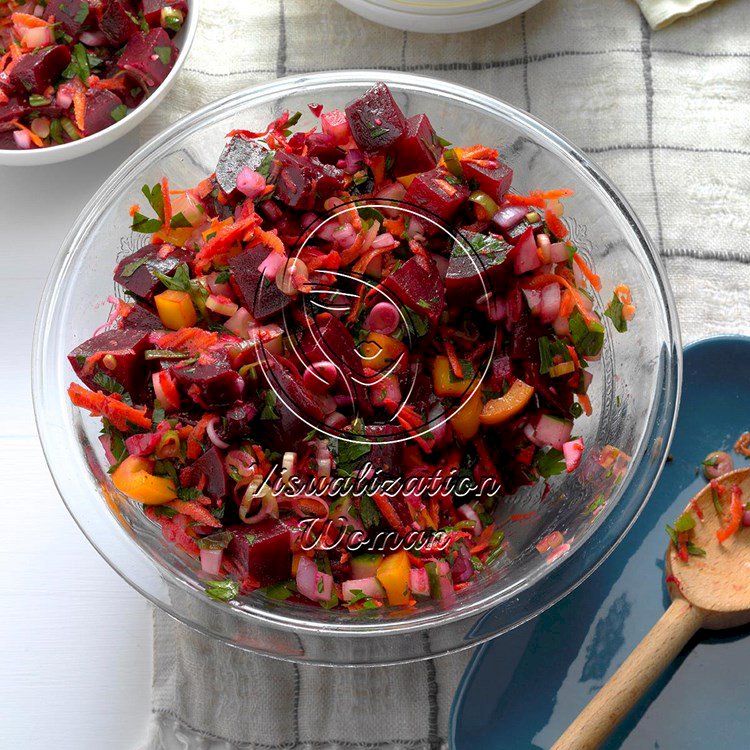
x,y
317,336
70,68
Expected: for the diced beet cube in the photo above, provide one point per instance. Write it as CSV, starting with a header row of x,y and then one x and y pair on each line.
x,y
118,21
136,271
211,381
14,109
142,318
211,466
323,147
152,9
418,149
292,392
35,72
149,56
98,115
72,15
7,141
376,121
302,182
384,453
467,267
237,423
495,181
437,193
418,289
125,366
331,340
261,551
514,234
260,296
239,153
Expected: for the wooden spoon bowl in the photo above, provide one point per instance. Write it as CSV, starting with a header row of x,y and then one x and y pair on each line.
x,y
707,592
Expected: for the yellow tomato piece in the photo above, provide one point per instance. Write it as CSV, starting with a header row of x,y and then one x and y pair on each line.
x,y
378,351
133,477
465,421
506,407
393,574
175,309
444,381
407,179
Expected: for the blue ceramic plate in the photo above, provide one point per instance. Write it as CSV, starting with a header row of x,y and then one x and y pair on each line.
x,y
523,689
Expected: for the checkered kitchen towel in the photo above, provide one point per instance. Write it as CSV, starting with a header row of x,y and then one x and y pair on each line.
x,y
666,115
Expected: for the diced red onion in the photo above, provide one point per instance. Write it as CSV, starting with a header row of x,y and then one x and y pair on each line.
x,y
344,235
142,444
383,240
40,36
212,435
211,560
561,326
93,38
549,306
22,139
215,288
319,377
558,252
527,258
64,98
393,192
469,514
445,582
250,183
572,452
419,582
441,263
271,264
241,462
415,227
552,431
533,298
508,216
38,11
368,586
311,582
386,389
157,380
353,161
293,276
384,317
221,305
240,323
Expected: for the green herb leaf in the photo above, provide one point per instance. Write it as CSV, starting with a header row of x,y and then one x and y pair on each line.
x,y
130,268
549,463
269,405
155,199
219,540
188,493
35,100
280,591
164,511
164,53
179,220
614,313
223,591
695,550
368,512
370,214
144,225
672,535
119,112
588,338
179,281
83,13
108,383
293,120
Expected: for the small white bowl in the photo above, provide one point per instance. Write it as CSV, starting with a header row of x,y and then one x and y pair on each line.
x,y
438,16
66,151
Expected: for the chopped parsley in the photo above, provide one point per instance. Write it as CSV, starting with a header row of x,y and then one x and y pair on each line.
x,y
222,591
269,405
614,313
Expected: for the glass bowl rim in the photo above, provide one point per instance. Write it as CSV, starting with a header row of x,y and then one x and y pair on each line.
x,y
668,399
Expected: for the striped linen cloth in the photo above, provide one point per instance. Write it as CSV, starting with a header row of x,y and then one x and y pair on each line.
x,y
666,115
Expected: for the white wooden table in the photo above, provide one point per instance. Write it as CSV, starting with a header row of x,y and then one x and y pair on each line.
x,y
75,639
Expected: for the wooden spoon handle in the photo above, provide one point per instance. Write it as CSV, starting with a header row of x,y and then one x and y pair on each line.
x,y
621,692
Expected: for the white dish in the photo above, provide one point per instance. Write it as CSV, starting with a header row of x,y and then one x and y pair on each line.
x,y
66,151
438,16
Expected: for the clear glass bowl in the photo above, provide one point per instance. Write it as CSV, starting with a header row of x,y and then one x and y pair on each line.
x,y
634,395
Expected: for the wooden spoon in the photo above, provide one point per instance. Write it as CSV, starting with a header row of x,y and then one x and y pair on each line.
x,y
710,592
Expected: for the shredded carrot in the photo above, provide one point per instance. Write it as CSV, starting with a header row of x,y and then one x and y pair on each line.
x,y
117,83
592,278
167,201
361,265
352,252
553,195
134,209
35,139
191,340
196,511
122,416
270,240
478,153
79,108
555,225
522,516
483,540
377,166
224,240
389,513
395,226
194,448
567,304
742,446
733,518
455,363
27,21
585,402
544,279
535,198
